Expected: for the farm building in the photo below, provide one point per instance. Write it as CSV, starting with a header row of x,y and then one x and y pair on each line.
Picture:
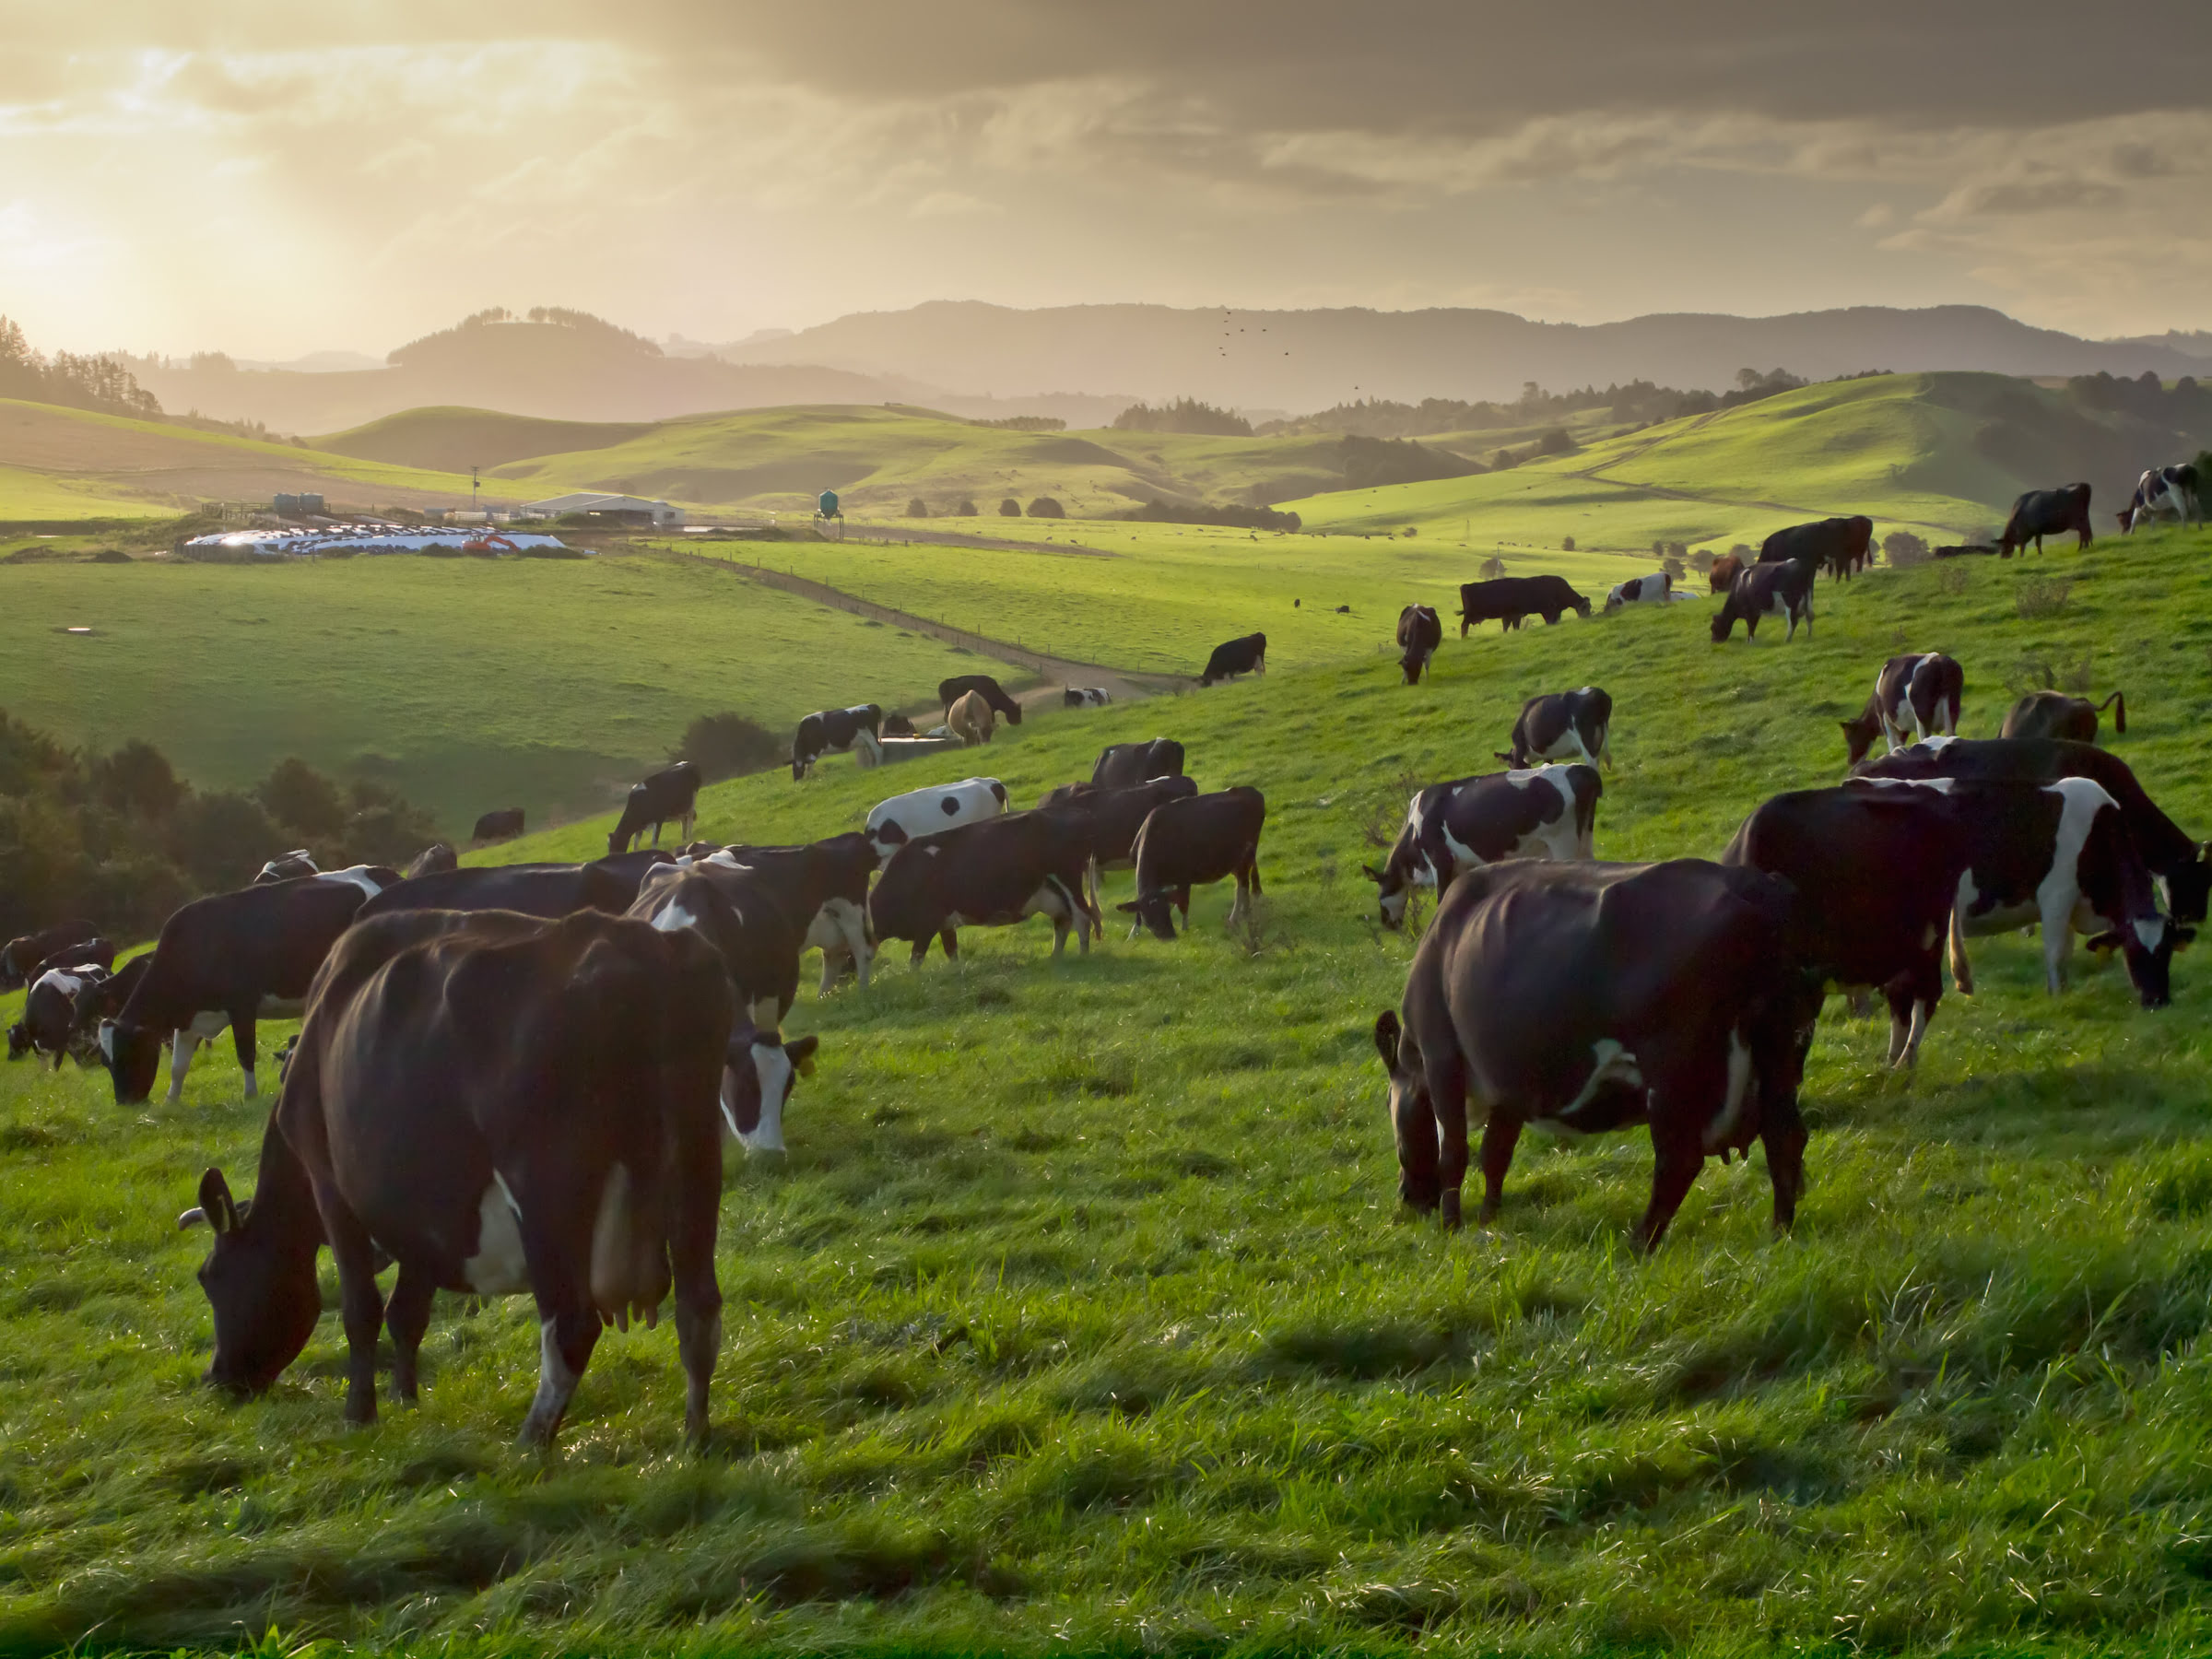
x,y
624,509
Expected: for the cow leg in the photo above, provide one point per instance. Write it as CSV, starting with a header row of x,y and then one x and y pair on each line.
x,y
1183,903
1676,1163
855,929
1501,1134
182,1044
567,1325
2058,943
407,1316
359,1305
952,941
698,1315
1911,1007
922,949
242,1043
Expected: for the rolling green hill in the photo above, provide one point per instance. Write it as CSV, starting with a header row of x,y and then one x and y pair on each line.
x,y
454,439
1081,1315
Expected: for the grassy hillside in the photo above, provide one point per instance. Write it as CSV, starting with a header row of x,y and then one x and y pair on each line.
x,y
454,439
1080,1316
465,684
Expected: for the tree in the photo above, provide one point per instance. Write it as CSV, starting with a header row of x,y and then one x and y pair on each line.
x,y
1009,508
1904,548
138,779
1490,568
917,508
305,802
381,828
1045,507
726,745
1701,561
1557,441
966,509
1565,543
1184,414
220,840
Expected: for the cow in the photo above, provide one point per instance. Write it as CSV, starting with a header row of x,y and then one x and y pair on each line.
x,y
1115,816
2055,714
1542,812
1723,572
1640,590
1122,764
824,887
288,866
1920,691
970,719
1779,589
669,795
1420,633
1835,545
231,958
1507,599
2184,866
1560,725
85,953
994,873
104,999
502,825
547,891
924,812
1247,654
836,730
2057,855
2042,512
434,860
1085,697
1189,843
2174,492
501,1104
49,1025
22,954
1583,997
950,691
895,725
1858,547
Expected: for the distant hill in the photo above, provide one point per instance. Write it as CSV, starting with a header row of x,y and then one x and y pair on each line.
x,y
454,439
1312,359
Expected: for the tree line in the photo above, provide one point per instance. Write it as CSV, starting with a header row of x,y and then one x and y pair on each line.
x,y
98,382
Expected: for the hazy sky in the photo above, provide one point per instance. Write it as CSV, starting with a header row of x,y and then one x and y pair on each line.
x,y
271,179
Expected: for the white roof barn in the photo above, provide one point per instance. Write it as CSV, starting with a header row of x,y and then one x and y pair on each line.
x,y
614,506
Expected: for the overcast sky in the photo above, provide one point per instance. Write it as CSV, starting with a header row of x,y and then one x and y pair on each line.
x,y
271,179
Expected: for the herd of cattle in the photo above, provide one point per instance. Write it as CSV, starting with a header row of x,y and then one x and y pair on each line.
x,y
508,1079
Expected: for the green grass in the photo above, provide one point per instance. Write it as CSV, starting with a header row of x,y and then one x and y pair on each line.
x,y
465,684
1080,1317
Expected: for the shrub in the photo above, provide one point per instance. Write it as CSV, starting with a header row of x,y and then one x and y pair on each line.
x,y
1045,507
1157,512
1490,568
1557,441
1368,462
1409,532
1672,566
966,509
1902,548
1952,579
303,801
1701,561
2041,597
726,745
1009,508
917,508
1565,543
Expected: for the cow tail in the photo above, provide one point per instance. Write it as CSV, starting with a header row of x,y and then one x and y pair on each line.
x,y
2117,703
1962,970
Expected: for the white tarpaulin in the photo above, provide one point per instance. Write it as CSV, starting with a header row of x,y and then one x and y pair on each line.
x,y
368,539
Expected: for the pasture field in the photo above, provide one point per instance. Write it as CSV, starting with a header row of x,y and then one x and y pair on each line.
x,y
1082,1316
465,684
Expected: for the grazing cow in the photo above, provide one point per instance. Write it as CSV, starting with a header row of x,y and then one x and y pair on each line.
x,y
434,859
926,812
547,891
502,825
1577,724
669,795
1115,816
2171,492
1420,633
1834,545
2057,854
85,953
1122,764
1641,590
289,866
1505,600
22,955
835,730
2055,714
1858,548
1545,812
49,1025
502,1105
1920,691
895,725
970,719
1782,589
230,959
1967,550
2042,512
1581,997
1085,697
2184,866
823,886
1723,572
1232,658
104,1000
950,691
992,874
1189,842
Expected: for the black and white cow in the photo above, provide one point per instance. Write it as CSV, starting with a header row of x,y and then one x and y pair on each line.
x,y
84,953
1122,764
1115,816
2055,714
923,812
289,866
1544,812
824,887
49,1025
1084,697
23,955
230,959
104,1000
993,873
504,1106
1420,633
1583,997
1505,600
2165,492
668,797
2184,866
1247,654
1919,693
1563,724
950,691
503,825
547,891
2042,512
1641,590
1191,843
1781,589
834,731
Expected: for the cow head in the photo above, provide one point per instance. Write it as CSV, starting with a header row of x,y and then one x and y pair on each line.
x,y
18,1041
1723,624
759,1070
1859,734
1153,909
261,1289
1412,1118
133,1056
2147,948
2189,887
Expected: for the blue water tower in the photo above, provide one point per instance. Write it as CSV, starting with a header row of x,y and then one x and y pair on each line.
x,y
828,505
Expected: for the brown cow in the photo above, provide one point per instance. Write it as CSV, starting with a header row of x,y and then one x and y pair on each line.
x,y
972,718
1724,571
